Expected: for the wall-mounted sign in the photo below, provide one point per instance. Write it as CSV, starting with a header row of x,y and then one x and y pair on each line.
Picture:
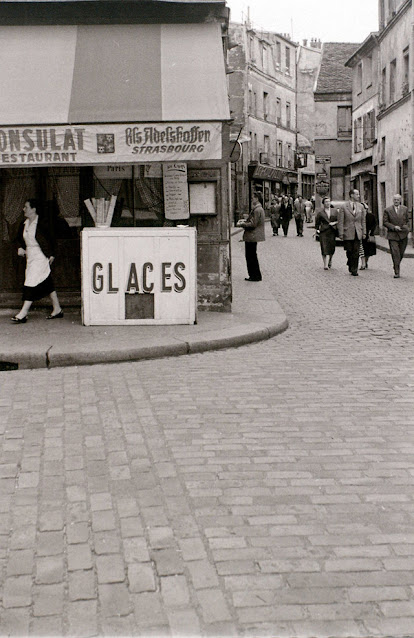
x,y
322,188
138,276
109,143
119,171
175,190
323,159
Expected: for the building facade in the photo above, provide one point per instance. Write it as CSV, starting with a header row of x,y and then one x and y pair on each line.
x,y
307,70
395,112
97,98
333,122
364,166
262,89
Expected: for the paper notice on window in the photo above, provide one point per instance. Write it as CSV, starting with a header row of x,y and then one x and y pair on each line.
x,y
175,190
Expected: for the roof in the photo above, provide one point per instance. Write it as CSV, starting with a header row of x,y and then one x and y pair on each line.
x,y
366,47
334,76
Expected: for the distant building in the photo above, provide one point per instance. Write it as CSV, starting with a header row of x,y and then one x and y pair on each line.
x,y
307,70
395,117
364,167
262,88
333,121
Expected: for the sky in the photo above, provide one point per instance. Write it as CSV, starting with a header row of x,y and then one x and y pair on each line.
x,y
329,20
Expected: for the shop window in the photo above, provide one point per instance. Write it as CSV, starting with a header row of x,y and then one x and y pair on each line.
x,y
203,198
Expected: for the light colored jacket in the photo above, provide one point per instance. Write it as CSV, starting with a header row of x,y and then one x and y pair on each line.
x,y
350,223
255,225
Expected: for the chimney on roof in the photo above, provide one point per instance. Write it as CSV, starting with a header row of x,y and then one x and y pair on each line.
x,y
305,43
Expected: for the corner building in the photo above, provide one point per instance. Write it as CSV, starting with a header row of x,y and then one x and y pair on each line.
x,y
96,98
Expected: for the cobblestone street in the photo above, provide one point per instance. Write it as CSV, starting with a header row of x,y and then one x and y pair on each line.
x,y
261,491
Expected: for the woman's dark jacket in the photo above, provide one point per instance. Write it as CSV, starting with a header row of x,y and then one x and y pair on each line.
x,y
44,237
322,223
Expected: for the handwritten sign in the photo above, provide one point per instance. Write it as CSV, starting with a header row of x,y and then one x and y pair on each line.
x,y
175,190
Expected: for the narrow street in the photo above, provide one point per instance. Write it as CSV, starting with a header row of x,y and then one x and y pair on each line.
x,y
261,491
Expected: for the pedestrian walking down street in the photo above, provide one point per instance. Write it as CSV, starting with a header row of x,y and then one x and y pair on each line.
x,y
351,229
286,213
299,214
326,222
369,245
308,211
275,214
36,242
254,231
397,221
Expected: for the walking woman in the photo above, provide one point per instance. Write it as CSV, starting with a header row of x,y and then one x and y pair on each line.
x,y
368,244
36,242
325,224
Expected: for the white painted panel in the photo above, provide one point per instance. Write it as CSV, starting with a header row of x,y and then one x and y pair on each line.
x,y
126,272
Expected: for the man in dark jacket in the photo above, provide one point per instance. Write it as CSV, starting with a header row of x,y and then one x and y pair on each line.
x,y
397,221
254,231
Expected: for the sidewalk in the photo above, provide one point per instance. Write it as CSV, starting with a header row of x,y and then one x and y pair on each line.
x,y
39,343
382,244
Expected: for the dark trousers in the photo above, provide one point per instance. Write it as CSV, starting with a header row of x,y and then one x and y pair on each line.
x,y
285,226
299,225
351,247
252,262
397,248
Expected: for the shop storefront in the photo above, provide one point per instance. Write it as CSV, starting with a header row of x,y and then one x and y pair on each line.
x,y
271,181
91,112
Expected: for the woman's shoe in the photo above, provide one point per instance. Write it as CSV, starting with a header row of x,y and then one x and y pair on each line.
x,y
325,267
17,320
59,315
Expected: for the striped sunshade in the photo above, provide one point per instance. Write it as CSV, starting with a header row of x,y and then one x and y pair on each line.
x,y
90,74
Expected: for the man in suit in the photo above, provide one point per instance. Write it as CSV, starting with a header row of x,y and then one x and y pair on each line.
x,y
254,231
397,221
299,215
352,228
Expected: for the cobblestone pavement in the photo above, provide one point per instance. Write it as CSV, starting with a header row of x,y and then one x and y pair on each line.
x,y
261,491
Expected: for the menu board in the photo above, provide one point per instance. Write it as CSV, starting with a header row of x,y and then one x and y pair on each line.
x,y
175,190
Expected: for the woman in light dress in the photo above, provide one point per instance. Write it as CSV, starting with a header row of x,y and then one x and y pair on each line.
x,y
36,243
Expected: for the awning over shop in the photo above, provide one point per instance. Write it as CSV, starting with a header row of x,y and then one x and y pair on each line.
x,y
91,74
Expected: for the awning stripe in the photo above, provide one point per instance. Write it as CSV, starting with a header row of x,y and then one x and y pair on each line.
x,y
193,73
117,74
112,73
36,68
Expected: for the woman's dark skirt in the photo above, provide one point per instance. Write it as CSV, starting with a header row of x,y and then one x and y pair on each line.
x,y
33,293
327,242
370,248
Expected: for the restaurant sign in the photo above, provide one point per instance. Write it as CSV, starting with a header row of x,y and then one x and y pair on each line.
x,y
138,276
109,143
